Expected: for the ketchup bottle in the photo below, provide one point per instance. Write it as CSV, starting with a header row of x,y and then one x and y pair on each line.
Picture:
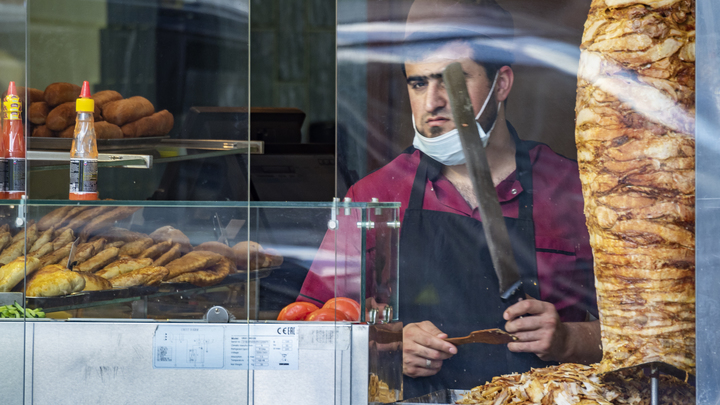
x,y
13,140
84,153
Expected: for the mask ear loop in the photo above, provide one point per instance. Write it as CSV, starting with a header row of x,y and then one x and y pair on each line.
x,y
487,99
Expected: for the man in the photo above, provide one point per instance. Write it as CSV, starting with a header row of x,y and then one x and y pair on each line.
x,y
447,283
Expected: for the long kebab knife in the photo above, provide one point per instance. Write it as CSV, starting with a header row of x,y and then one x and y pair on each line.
x,y
496,234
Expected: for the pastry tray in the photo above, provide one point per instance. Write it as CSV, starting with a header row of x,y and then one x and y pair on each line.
x,y
64,144
446,396
86,299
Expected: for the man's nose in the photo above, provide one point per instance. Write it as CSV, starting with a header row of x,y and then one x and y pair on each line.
x,y
436,96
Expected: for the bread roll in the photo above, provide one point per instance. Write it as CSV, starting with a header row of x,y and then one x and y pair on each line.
x,y
43,131
106,130
128,110
158,124
105,96
59,93
636,151
61,117
38,112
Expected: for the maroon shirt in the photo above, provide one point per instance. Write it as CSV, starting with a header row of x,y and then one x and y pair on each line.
x,y
564,257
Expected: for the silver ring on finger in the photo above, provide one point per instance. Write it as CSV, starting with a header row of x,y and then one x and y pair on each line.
x,y
428,363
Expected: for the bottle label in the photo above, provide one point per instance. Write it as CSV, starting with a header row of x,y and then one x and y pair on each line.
x,y
3,170
12,107
15,175
83,176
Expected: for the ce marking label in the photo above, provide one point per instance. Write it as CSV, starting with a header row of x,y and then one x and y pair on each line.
x,y
288,330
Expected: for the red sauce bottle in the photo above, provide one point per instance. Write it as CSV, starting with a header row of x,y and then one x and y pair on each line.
x,y
13,140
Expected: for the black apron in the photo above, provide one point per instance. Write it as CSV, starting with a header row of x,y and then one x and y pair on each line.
x,y
447,277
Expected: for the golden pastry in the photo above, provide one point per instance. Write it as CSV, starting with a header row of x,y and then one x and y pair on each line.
x,y
219,248
53,218
192,261
173,235
55,283
170,255
156,250
12,252
75,211
100,260
44,249
120,234
636,152
105,220
44,238
123,266
62,238
205,278
56,256
95,283
152,275
132,249
32,234
5,240
14,272
85,217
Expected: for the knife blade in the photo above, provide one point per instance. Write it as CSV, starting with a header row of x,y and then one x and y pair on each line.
x,y
496,234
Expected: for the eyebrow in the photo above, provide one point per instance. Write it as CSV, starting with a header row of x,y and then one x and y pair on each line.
x,y
437,76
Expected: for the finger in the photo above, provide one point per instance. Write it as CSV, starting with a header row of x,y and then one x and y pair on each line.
x,y
526,347
531,306
425,352
429,327
526,337
527,323
434,343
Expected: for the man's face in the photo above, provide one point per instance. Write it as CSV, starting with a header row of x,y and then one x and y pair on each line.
x,y
428,98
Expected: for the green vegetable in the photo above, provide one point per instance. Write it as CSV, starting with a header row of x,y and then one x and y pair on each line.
x,y
17,311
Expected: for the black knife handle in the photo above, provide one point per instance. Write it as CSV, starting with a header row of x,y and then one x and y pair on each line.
x,y
514,294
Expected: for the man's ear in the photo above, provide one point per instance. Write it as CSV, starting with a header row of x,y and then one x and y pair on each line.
x,y
505,80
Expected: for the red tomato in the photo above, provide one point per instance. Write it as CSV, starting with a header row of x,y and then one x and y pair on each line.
x,y
297,311
347,305
327,314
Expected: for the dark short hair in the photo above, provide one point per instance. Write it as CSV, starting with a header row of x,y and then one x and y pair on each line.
x,y
483,25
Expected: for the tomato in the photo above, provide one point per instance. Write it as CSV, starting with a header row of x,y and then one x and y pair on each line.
x,y
327,314
347,305
297,311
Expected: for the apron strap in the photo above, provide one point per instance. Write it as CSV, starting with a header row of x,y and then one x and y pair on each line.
x,y
428,169
525,212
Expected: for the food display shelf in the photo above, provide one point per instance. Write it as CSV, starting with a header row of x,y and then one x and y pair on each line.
x,y
87,299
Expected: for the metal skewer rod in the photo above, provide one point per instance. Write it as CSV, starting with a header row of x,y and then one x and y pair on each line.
x,y
654,382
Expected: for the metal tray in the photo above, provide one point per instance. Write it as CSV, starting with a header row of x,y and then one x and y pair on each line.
x,y
447,397
65,144
89,297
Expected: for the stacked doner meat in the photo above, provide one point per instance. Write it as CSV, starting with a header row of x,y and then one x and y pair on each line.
x,y
636,151
577,384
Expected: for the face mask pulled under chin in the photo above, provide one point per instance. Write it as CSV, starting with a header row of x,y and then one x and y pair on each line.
x,y
447,148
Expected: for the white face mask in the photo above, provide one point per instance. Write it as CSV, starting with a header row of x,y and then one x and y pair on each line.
x,y
447,148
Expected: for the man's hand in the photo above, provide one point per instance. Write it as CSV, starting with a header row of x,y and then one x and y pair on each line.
x,y
422,342
540,330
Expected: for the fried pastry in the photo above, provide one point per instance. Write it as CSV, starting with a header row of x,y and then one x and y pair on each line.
x,y
44,238
192,261
63,238
156,250
152,275
72,213
44,249
133,249
174,235
84,218
32,234
14,272
253,256
100,260
105,220
95,283
123,266
114,234
55,283
12,252
56,256
5,239
219,248
205,278
170,255
117,244
53,218
636,152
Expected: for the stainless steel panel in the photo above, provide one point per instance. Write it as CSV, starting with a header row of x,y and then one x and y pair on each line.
x,y
108,363
111,363
12,354
708,201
